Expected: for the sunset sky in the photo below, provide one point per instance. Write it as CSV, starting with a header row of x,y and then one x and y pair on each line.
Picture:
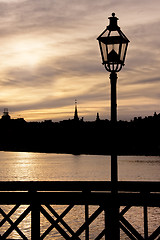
x,y
49,56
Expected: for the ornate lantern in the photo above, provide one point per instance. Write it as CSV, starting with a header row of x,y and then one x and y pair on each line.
x,y
113,46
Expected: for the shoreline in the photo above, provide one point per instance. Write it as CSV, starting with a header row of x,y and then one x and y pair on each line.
x,y
81,153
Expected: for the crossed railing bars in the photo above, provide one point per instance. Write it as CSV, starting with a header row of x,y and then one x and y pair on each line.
x,y
39,199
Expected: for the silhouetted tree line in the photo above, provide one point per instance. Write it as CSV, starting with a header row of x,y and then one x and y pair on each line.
x,y
139,136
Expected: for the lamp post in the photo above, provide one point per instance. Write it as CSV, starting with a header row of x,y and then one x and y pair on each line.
x,y
113,47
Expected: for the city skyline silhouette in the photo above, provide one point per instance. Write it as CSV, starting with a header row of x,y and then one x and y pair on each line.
x,y
77,136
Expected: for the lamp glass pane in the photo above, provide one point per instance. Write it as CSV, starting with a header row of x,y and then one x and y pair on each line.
x,y
114,47
104,51
122,51
114,34
105,33
110,48
113,53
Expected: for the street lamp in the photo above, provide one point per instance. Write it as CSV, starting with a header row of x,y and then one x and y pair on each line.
x,y
113,47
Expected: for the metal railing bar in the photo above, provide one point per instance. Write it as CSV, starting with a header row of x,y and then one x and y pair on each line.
x,y
87,223
22,216
155,234
129,186
9,214
127,232
54,223
60,220
12,223
125,210
131,228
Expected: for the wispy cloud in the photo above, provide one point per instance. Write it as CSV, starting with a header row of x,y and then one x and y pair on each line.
x,y
50,56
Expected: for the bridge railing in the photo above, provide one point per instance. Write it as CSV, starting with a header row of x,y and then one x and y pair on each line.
x,y
128,186
39,198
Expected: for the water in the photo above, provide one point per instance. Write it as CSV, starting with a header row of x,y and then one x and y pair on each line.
x,y
22,166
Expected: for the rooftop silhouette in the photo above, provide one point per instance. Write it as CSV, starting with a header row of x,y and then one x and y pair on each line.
x,y
138,136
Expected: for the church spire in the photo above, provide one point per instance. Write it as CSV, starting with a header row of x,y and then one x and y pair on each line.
x,y
76,118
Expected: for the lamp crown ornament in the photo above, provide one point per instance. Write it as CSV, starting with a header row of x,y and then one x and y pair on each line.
x,y
113,22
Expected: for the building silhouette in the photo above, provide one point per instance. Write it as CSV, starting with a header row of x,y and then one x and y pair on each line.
x,y
6,115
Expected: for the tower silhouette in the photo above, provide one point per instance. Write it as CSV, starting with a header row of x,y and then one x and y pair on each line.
x,y
97,118
76,118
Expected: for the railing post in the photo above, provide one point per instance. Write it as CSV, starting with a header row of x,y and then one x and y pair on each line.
x,y
86,219
35,218
145,222
112,229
